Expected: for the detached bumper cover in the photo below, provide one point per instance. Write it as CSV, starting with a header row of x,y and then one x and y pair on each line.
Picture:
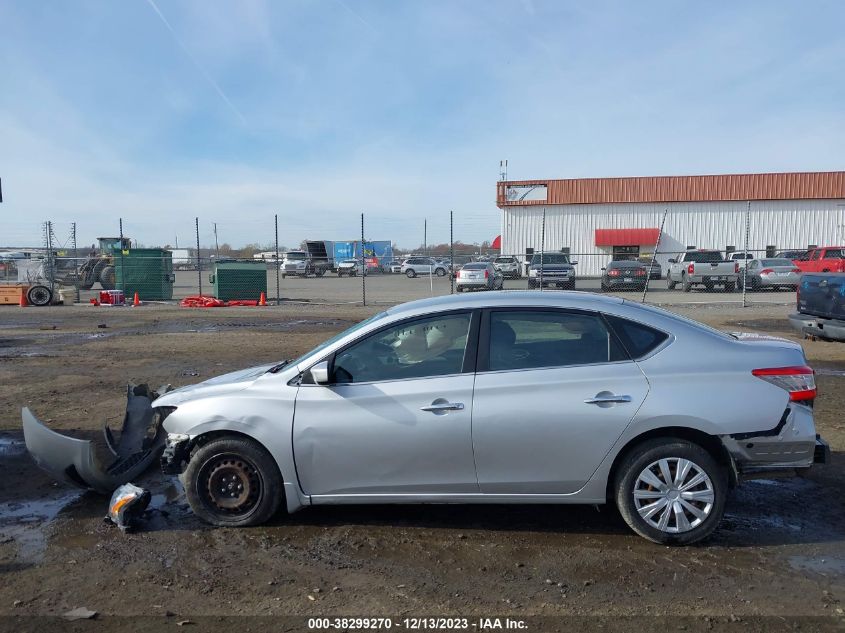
x,y
75,461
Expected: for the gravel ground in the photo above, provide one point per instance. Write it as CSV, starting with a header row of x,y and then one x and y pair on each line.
x,y
780,550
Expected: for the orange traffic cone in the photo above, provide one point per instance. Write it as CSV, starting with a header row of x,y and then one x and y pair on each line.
x,y
262,300
136,301
23,302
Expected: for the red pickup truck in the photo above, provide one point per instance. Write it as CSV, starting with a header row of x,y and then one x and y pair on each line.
x,y
824,259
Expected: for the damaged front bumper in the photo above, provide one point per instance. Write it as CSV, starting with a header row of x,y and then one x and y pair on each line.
x,y
176,453
75,461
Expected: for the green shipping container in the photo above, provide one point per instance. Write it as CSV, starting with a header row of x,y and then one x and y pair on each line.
x,y
147,271
239,280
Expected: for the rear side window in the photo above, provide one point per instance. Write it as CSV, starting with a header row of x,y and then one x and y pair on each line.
x,y
640,340
535,339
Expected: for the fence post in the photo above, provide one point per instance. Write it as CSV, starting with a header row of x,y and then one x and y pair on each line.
x,y
122,263
451,254
278,293
745,268
654,256
199,261
542,247
363,265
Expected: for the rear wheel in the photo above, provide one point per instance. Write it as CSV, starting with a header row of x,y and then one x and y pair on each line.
x,y
410,273
107,278
730,287
39,296
670,284
686,286
233,481
671,491
440,272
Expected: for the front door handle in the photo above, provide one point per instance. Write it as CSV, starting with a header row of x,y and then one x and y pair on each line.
x,y
442,407
599,399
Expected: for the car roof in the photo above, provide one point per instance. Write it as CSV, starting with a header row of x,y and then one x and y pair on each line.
x,y
505,298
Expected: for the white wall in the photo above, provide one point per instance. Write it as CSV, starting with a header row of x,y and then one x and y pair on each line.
x,y
783,223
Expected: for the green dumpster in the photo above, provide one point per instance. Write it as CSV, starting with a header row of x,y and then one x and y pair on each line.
x,y
239,280
147,271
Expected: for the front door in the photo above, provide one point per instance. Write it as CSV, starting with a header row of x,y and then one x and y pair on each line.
x,y
396,418
553,393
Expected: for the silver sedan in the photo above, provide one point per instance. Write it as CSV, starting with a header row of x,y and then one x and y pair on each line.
x,y
770,273
479,276
517,397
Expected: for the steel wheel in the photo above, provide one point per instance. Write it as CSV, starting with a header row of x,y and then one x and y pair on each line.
x,y
39,296
232,484
673,495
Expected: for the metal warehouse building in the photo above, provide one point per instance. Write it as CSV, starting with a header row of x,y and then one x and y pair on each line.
x,y
599,219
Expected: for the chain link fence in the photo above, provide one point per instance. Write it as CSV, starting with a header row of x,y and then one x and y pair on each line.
x,y
361,270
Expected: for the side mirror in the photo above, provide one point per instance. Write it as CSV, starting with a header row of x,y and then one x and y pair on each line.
x,y
604,268
320,373
671,261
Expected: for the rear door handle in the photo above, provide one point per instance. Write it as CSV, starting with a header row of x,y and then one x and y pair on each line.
x,y
606,399
443,406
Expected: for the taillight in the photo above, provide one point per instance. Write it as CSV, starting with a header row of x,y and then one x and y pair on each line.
x,y
800,381
766,271
486,273
736,267
640,273
613,273
690,269
796,270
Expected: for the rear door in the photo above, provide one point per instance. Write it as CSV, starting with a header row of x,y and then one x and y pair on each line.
x,y
553,392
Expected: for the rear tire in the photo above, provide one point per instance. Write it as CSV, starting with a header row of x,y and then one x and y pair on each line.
x,y
686,286
730,287
688,513
233,482
107,278
440,272
410,274
39,296
670,285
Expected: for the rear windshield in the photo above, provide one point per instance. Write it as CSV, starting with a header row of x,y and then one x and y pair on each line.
x,y
504,260
475,267
776,262
551,258
703,256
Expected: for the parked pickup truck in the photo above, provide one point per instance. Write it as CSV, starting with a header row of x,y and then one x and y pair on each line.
x,y
824,259
702,268
821,306
302,264
551,269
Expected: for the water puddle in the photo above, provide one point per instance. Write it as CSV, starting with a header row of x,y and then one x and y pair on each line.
x,y
10,446
822,565
26,524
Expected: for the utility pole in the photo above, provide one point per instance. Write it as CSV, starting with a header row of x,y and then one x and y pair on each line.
x,y
75,259
216,245
425,237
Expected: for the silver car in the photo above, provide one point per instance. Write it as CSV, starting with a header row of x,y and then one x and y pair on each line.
x,y
509,265
350,268
516,397
414,266
771,273
479,276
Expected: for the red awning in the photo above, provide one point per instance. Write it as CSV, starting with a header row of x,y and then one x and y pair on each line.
x,y
497,242
626,237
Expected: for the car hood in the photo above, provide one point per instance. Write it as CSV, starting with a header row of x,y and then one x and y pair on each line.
x,y
227,383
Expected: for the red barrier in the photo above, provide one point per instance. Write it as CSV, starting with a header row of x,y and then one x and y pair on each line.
x,y
203,301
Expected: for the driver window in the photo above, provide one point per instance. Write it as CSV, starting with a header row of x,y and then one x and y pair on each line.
x,y
413,349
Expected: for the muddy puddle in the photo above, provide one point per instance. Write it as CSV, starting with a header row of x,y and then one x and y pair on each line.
x,y
28,524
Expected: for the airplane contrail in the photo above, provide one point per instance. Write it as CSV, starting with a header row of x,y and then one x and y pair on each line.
x,y
199,66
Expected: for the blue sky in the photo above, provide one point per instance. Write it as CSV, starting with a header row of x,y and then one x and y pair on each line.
x,y
159,111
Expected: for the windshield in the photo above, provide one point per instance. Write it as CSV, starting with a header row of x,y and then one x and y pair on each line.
x,y
550,258
475,267
296,256
504,260
777,262
339,336
349,261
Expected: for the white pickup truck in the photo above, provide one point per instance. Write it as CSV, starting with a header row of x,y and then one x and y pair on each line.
x,y
702,268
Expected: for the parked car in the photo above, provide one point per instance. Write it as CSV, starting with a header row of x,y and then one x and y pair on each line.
x,y
825,259
396,266
741,258
350,268
702,267
414,266
772,273
793,255
624,275
653,266
479,276
510,266
551,269
821,306
516,397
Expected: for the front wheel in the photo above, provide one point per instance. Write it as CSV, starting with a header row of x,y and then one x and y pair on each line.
x,y
440,272
39,295
234,482
410,274
671,491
